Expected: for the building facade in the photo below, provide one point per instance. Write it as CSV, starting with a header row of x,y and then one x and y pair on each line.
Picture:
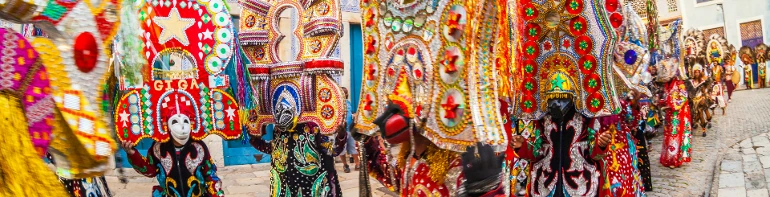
x,y
744,23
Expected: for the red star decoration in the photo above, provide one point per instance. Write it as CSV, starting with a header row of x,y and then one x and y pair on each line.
x,y
368,102
391,72
547,46
449,62
369,18
454,22
370,72
450,107
566,44
370,42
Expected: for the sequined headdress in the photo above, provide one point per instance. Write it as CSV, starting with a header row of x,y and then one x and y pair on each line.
x,y
568,42
761,53
437,60
293,82
187,47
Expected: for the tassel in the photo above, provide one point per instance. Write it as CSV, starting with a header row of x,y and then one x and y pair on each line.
x,y
22,171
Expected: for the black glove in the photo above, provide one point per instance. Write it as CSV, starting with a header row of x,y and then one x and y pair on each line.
x,y
393,124
482,172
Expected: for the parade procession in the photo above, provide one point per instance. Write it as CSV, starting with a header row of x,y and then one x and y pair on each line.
x,y
409,98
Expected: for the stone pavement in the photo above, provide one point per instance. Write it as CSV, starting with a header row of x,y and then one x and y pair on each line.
x,y
747,115
243,180
743,169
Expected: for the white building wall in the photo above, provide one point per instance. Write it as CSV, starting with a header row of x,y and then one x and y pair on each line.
x,y
709,15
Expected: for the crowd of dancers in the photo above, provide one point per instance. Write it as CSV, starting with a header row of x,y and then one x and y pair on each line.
x,y
458,98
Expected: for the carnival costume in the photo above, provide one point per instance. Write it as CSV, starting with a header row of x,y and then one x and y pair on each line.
x,y
174,86
628,149
677,130
296,91
698,88
47,95
568,94
717,57
748,57
732,77
431,80
761,60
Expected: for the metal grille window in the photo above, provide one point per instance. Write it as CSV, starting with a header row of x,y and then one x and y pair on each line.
x,y
751,33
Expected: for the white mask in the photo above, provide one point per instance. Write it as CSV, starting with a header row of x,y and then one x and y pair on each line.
x,y
179,125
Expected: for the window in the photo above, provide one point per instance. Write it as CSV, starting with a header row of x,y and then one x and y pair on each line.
x,y
712,31
751,33
672,5
700,3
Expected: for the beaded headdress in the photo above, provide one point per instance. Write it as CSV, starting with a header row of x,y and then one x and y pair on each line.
x,y
187,47
761,53
631,57
716,49
694,43
568,42
746,55
75,58
437,60
292,63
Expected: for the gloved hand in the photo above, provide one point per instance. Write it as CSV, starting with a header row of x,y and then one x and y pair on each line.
x,y
393,124
482,171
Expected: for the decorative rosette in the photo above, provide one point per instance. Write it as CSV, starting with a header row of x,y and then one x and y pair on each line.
x,y
565,51
444,63
294,86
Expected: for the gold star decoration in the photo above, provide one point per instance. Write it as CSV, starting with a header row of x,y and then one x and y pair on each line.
x,y
174,26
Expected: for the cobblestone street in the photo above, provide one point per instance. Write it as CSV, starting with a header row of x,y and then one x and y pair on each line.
x,y
747,116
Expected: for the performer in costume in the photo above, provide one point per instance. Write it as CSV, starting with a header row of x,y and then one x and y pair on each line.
x,y
628,143
732,77
567,94
296,91
677,128
197,177
747,56
761,61
174,93
698,88
433,88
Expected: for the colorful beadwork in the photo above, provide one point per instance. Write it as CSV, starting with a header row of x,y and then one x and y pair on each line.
x,y
187,46
439,60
